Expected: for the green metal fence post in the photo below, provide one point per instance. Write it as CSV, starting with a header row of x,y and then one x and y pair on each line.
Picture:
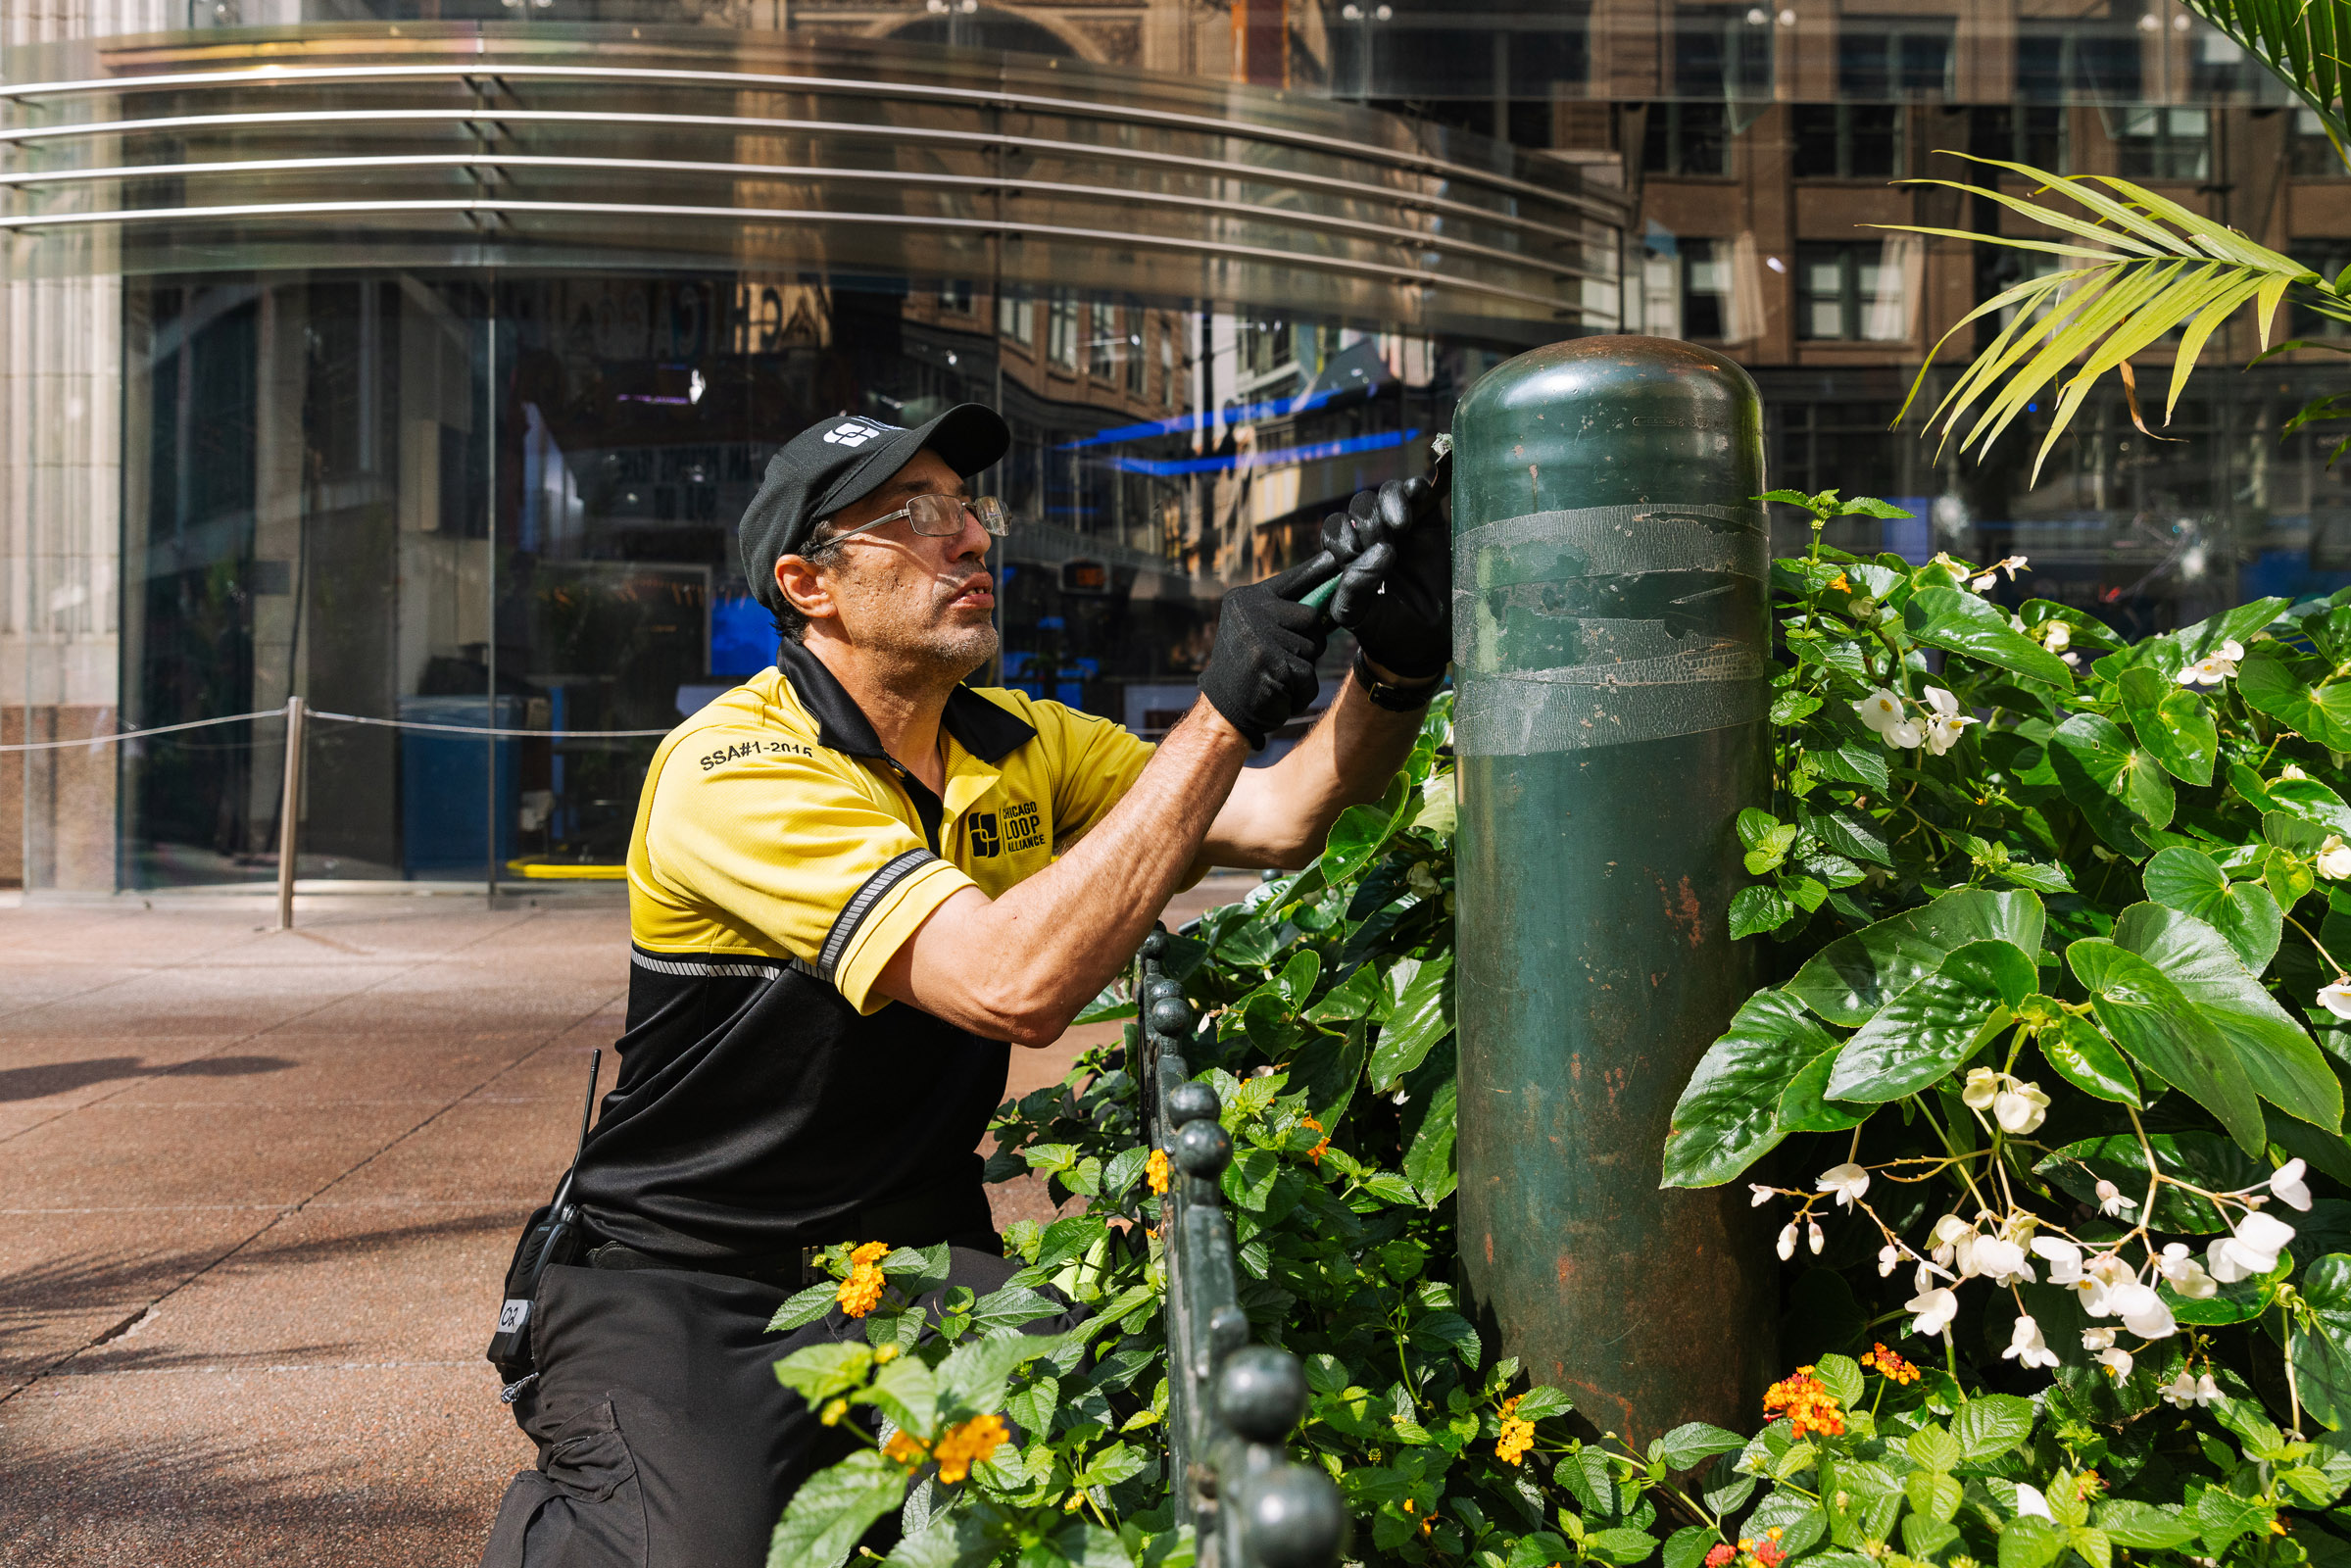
x,y
1610,567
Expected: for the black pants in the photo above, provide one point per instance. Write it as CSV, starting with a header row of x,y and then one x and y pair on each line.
x,y
665,1439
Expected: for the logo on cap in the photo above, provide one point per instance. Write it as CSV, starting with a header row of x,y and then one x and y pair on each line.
x,y
852,433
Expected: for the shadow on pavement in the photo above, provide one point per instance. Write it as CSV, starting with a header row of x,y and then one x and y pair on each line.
x,y
63,1077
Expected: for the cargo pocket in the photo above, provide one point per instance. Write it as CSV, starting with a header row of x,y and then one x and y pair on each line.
x,y
581,1509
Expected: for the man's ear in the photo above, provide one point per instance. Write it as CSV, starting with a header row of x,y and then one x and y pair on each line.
x,y
804,588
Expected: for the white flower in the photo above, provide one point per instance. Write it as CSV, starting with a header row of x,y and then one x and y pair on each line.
x,y
2002,1261
2065,1259
1763,1193
1923,1277
2185,1274
2181,1390
1981,1086
1945,1236
2252,1251
2207,1391
2102,1276
2111,1200
2073,659
2021,1109
2288,1186
2141,1311
1946,721
1787,1242
2097,1338
1984,584
2290,771
1879,710
1890,1259
2215,668
1906,736
2116,1362
1847,1181
2030,1500
1813,1237
2026,1348
1935,1308
2335,858
2056,636
2336,998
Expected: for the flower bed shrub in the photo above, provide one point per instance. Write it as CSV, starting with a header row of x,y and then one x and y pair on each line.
x,y
2045,1105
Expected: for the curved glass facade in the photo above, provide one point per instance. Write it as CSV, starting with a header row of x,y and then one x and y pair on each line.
x,y
444,357
344,341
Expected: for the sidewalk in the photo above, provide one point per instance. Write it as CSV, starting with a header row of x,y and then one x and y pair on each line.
x,y
258,1189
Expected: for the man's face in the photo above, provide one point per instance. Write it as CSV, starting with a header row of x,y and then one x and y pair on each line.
x,y
910,596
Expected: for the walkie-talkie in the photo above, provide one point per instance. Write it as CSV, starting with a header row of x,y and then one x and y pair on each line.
x,y
551,1237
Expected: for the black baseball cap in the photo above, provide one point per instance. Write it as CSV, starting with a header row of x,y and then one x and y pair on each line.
x,y
842,461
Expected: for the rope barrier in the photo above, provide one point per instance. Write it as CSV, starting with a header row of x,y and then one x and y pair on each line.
x,y
343,718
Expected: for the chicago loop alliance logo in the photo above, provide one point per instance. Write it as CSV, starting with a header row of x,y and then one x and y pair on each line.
x,y
1023,828
852,433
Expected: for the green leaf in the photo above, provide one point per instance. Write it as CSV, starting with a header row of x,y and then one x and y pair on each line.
x,y
1429,1163
2200,1159
1686,1547
2030,1541
1419,1014
834,1507
821,1371
1932,1026
2173,724
2234,624
2322,1350
1840,1375
1353,841
2244,913
798,1311
1804,1106
2116,785
1955,619
1031,1409
2265,680
2144,1526
1932,1449
2088,1061
1992,1424
1620,1548
1010,1307
1934,1493
1693,1443
2222,1517
1450,1332
1848,981
1358,996
1852,834
908,1392
2284,1064
972,1378
1755,911
2162,1031
1726,1118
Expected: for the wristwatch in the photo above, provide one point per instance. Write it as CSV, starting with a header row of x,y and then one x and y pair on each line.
x,y
1396,696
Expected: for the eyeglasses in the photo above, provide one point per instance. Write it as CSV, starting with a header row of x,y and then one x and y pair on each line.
x,y
938,516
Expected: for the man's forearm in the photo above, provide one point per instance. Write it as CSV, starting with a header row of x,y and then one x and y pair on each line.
x,y
1024,963
1279,815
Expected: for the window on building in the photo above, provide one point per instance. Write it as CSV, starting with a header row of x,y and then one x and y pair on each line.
x,y
2312,156
1102,342
1882,58
1687,139
1016,318
2218,69
1846,290
1061,329
1722,52
2327,258
1849,141
1264,347
2071,59
1167,363
1836,443
2025,133
955,296
2154,143
1130,320
1705,288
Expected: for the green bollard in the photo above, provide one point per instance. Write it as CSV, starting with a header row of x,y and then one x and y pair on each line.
x,y
1610,568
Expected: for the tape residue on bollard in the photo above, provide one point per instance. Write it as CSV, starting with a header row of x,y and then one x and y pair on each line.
x,y
1656,684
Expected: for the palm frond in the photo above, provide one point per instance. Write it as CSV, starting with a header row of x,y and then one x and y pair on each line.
x,y
2302,42
2153,267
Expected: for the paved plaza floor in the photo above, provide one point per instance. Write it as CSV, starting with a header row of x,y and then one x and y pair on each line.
x,y
256,1192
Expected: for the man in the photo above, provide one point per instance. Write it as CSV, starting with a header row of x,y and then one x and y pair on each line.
x,y
853,880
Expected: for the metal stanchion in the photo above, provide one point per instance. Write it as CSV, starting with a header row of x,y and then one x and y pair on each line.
x,y
289,815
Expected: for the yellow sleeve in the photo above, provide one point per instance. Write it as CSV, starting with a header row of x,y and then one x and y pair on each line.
x,y
799,846
1095,761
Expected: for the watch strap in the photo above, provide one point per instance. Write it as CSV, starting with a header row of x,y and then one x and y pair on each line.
x,y
1394,697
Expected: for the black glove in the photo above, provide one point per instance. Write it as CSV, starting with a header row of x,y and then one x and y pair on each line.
x,y
1396,593
1263,668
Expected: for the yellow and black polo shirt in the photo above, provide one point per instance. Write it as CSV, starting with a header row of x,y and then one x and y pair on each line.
x,y
770,1098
